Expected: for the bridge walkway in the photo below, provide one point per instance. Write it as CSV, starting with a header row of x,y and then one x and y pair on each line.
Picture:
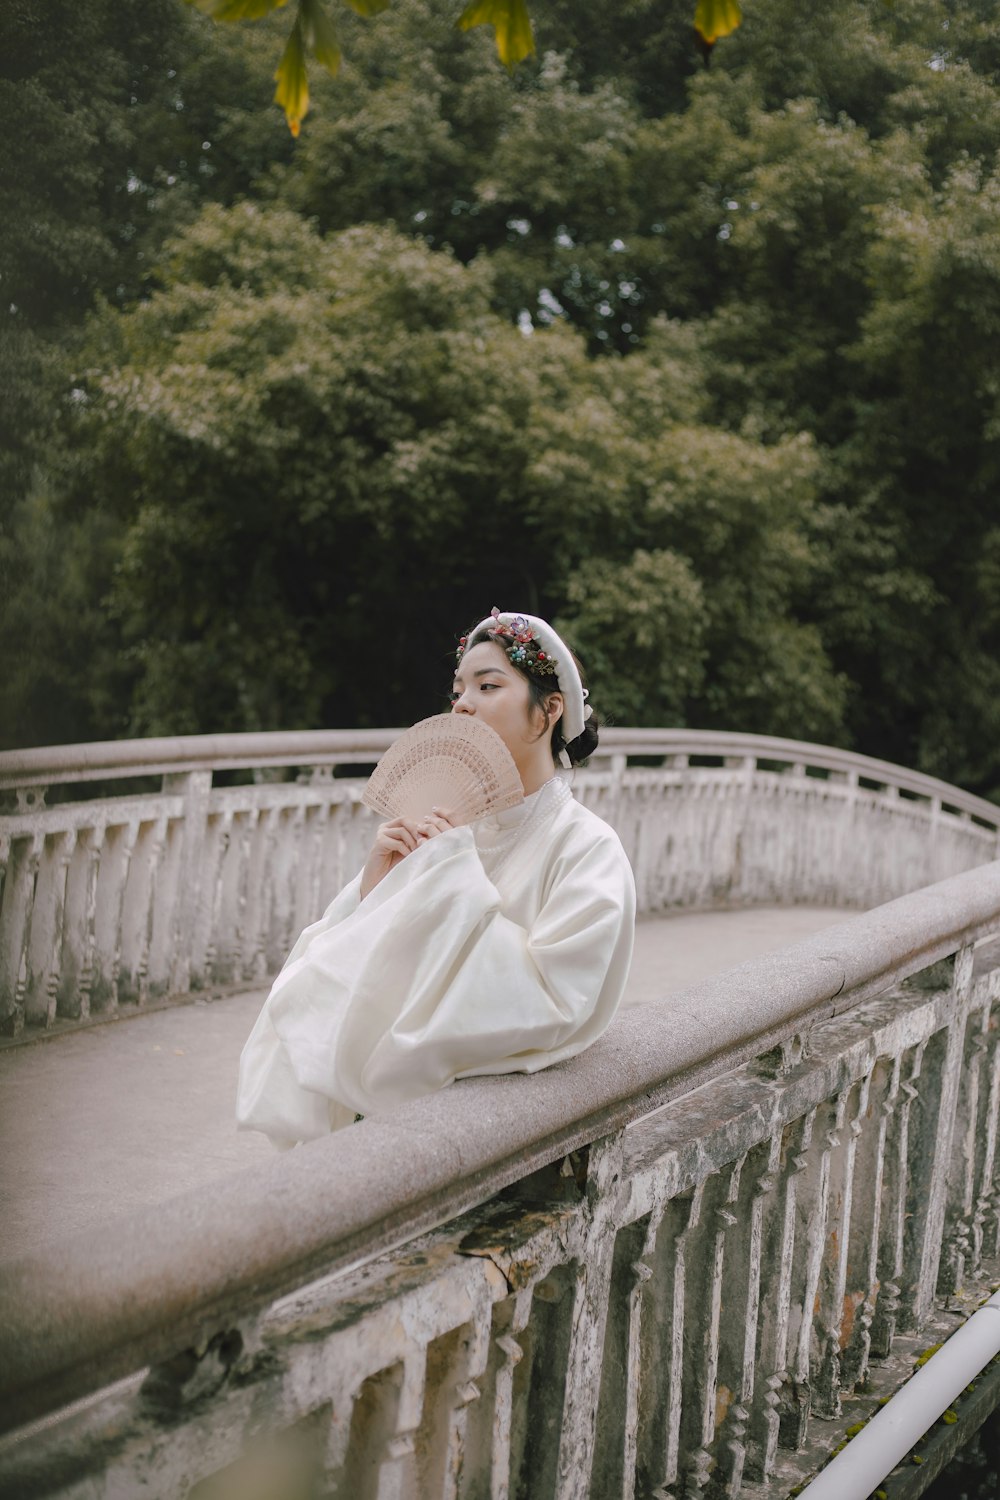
x,y
107,1119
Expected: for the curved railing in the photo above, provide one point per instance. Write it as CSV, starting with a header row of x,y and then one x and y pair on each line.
x,y
104,760
116,899
712,1230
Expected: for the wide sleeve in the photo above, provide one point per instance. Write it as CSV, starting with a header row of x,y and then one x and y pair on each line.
x,y
429,980
269,1097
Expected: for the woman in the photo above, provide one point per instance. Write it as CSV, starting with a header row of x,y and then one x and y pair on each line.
x,y
497,947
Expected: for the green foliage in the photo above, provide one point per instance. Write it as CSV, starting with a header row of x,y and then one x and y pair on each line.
x,y
639,626
296,430
715,18
313,31
511,23
75,84
65,677
306,430
701,362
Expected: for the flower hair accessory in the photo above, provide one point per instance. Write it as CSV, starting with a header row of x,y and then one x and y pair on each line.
x,y
515,634
532,644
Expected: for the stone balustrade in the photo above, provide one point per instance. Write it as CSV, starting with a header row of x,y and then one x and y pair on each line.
x,y
672,1267
114,900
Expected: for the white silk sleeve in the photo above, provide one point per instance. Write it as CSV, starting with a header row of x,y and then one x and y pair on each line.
x,y
269,1097
429,980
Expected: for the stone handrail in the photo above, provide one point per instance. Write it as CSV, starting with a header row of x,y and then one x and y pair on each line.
x,y
116,900
680,1253
105,760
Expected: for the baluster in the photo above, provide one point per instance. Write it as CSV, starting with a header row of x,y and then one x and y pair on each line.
x,y
701,1333
648,835
740,1318
217,933
833,1274
76,960
116,855
663,1347
188,938
591,1288
456,1363
228,896
311,897
618,1413
510,1320
45,941
358,831
892,1226
776,1404
337,1449
380,1461
258,851
992,1226
351,848
813,1201
862,1288
985,1195
397,1479
970,1126
930,1154
541,1410
141,895
165,898
15,925
290,851
335,865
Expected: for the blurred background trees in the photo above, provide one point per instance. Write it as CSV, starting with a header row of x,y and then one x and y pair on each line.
x,y
701,362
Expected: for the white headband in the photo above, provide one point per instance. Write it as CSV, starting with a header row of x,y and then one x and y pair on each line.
x,y
576,710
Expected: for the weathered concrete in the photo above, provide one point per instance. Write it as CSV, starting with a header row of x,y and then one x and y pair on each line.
x,y
652,1269
122,899
168,1277
716,1218
124,1114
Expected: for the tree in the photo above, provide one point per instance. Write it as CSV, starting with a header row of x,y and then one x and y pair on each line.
x,y
313,32
132,139
926,375
324,454
636,343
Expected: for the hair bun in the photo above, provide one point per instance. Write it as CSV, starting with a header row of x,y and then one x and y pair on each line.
x,y
584,745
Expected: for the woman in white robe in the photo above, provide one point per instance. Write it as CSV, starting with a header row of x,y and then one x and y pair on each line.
x,y
497,947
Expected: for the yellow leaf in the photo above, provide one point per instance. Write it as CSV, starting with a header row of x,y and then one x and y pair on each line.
x,y
292,92
510,21
320,34
715,18
237,10
368,7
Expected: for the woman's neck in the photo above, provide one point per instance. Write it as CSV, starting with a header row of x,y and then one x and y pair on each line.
x,y
536,773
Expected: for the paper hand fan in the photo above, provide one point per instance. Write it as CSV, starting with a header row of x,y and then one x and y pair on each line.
x,y
451,761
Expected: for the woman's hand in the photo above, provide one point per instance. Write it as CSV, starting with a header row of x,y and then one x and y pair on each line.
x,y
398,838
438,820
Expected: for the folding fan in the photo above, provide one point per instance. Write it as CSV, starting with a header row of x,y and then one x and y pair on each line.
x,y
452,761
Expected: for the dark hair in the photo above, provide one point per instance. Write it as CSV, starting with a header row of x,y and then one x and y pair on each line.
x,y
540,687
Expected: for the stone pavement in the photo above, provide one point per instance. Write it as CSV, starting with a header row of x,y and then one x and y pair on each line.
x,y
103,1120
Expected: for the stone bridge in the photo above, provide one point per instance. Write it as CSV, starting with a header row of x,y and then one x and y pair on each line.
x,y
680,1265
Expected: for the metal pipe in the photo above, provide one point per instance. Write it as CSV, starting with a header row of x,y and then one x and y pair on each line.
x,y
876,1450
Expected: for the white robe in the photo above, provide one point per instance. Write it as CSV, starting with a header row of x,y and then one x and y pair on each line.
x,y
442,972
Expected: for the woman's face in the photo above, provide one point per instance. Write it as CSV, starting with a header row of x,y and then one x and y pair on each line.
x,y
487,686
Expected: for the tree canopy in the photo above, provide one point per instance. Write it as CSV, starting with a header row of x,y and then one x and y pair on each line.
x,y
702,363
314,33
